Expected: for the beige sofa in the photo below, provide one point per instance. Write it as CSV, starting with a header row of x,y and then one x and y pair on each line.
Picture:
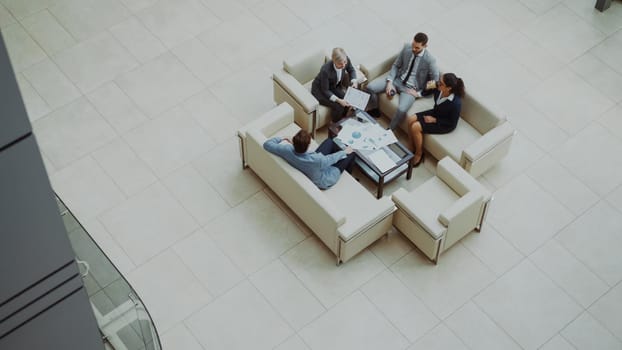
x,y
444,209
346,217
292,84
481,139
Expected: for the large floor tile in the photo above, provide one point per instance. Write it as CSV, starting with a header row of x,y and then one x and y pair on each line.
x,y
562,43
141,43
607,22
610,51
612,121
607,310
287,294
527,305
595,239
51,84
116,107
218,120
598,74
36,107
557,343
241,319
86,176
254,233
526,51
175,21
233,183
342,328
95,61
202,62
483,71
533,125
148,223
472,36
169,142
563,185
477,330
400,306
492,249
21,9
23,51
523,153
615,198
391,248
280,19
447,286
595,163
179,337
196,194
224,39
293,343
85,18
585,333
569,273
526,215
159,84
315,265
440,338
172,302
211,266
72,132
130,173
46,30
569,101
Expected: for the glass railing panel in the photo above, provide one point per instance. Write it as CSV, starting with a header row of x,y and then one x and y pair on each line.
x,y
124,322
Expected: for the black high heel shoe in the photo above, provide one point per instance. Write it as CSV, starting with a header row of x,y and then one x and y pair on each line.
x,y
419,162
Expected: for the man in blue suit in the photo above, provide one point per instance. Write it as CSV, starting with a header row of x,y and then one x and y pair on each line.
x,y
410,73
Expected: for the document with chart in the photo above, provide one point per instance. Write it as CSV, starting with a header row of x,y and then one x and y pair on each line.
x,y
356,98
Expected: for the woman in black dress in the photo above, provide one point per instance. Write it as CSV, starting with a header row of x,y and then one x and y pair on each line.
x,y
442,119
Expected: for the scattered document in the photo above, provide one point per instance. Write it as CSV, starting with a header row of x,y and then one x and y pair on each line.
x,y
356,98
364,136
381,160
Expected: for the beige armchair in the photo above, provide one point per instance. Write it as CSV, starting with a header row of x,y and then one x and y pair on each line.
x,y
292,84
442,210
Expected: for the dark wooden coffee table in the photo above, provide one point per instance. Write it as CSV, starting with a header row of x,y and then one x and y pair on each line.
x,y
395,151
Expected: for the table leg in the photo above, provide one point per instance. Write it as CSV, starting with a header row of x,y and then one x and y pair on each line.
x,y
380,187
409,173
602,5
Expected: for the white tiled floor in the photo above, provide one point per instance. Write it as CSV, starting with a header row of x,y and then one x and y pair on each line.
x,y
135,104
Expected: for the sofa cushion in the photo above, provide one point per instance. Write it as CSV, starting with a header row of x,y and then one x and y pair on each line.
x,y
451,144
429,199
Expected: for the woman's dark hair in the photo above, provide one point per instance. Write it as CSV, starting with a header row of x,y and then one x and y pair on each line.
x,y
454,83
301,141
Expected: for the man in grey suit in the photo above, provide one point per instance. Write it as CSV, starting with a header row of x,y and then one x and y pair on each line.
x,y
329,86
410,74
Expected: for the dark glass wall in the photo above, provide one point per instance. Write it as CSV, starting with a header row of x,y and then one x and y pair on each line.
x,y
43,303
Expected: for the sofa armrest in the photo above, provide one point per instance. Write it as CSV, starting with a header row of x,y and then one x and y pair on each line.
x,y
268,123
377,65
463,211
296,90
374,213
405,202
488,141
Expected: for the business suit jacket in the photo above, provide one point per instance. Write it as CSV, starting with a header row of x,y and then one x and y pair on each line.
x,y
426,70
325,83
447,114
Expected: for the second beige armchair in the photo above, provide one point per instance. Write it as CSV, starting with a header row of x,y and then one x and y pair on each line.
x,y
441,211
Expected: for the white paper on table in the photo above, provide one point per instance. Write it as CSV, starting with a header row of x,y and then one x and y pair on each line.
x,y
381,160
356,98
